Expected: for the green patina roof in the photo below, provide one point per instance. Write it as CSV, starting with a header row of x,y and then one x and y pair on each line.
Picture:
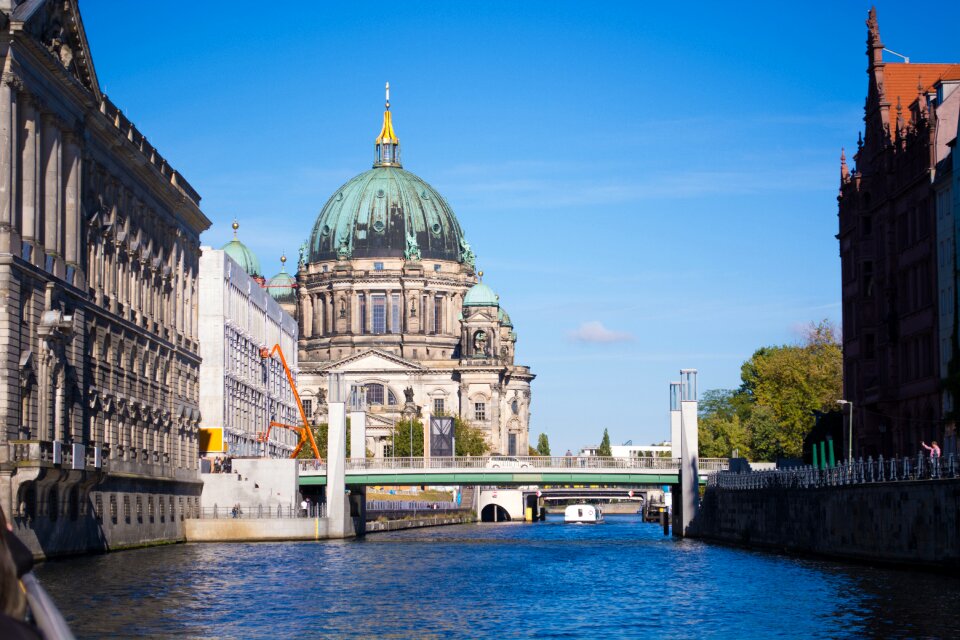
x,y
380,213
244,257
281,286
504,318
480,295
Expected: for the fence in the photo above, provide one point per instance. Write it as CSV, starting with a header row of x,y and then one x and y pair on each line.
x,y
922,467
411,505
260,512
705,465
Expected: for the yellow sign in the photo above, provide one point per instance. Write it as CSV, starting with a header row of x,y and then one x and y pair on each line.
x,y
211,440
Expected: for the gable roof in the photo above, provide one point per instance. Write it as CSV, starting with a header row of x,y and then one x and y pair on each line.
x,y
389,358
904,81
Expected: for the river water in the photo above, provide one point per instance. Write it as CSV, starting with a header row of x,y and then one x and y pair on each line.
x,y
621,579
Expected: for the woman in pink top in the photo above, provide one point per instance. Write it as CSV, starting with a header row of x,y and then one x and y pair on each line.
x,y
934,448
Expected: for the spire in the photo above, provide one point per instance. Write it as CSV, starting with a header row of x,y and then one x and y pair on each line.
x,y
387,145
235,225
283,263
844,171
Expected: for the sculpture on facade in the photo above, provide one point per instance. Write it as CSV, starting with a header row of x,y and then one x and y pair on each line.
x,y
343,249
301,262
408,394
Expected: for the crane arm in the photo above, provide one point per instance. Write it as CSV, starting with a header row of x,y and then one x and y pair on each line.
x,y
306,433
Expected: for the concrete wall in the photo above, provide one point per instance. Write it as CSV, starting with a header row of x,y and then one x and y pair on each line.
x,y
253,481
510,499
240,529
913,523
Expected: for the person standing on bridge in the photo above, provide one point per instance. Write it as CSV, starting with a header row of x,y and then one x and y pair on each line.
x,y
933,448
568,456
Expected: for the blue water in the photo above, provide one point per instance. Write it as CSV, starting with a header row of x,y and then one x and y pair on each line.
x,y
621,579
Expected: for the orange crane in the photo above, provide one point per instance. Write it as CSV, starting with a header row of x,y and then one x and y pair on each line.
x,y
304,430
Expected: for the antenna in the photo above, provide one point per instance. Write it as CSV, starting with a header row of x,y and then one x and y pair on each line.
x,y
906,60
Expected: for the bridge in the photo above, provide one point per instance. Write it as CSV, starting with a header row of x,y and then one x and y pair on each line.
x,y
505,471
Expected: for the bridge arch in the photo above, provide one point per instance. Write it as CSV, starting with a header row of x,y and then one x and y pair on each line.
x,y
494,512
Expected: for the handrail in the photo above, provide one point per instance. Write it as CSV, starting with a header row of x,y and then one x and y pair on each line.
x,y
855,472
519,463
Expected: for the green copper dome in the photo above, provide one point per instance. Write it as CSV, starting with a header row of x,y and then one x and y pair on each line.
x,y
504,318
387,212
282,285
480,295
242,255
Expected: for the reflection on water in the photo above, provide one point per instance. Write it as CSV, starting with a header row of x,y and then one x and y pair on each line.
x,y
548,580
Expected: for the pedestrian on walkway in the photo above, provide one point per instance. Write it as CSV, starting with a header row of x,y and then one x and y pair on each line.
x,y
933,448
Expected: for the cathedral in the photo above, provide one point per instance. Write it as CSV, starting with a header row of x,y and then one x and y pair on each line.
x,y
386,294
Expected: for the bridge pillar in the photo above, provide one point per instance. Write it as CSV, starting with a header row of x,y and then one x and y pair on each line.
x,y
675,444
338,507
358,434
689,501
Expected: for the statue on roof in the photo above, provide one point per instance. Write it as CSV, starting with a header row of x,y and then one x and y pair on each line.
x,y
302,261
466,253
343,249
412,252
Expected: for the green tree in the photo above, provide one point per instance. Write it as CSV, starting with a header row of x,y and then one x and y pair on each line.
x,y
468,440
403,447
543,445
721,424
604,448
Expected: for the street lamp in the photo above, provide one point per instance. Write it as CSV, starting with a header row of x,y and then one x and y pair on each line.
x,y
849,404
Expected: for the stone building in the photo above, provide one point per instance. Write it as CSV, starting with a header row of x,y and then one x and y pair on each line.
x,y
99,248
388,296
241,393
888,252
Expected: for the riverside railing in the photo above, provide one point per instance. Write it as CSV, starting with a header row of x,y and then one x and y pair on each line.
x,y
411,505
705,465
261,512
855,472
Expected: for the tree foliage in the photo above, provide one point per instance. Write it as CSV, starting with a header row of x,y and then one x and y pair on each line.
x,y
771,413
468,440
408,439
543,445
604,449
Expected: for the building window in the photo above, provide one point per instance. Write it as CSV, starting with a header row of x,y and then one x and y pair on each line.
x,y
378,266
438,406
437,314
362,299
391,398
308,408
436,267
395,313
379,313
374,394
512,444
868,279
480,411
325,268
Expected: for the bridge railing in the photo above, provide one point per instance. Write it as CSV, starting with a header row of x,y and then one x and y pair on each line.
x,y
921,467
519,463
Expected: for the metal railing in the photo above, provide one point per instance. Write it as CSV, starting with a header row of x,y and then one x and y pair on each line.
x,y
260,512
519,463
411,505
856,472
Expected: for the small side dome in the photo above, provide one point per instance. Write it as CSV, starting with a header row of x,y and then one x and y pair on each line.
x,y
504,318
282,285
242,255
480,295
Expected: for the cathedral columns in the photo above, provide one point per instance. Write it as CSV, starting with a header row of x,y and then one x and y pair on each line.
x,y
72,241
52,237
316,314
306,315
9,150
30,172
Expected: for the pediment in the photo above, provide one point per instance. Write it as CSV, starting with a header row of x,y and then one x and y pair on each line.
x,y
57,26
373,360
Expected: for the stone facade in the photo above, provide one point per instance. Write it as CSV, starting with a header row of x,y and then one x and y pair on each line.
x,y
388,296
99,249
240,391
888,253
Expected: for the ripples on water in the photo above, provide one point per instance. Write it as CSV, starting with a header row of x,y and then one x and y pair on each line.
x,y
545,580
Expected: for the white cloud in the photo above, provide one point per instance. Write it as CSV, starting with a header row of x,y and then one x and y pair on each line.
x,y
594,331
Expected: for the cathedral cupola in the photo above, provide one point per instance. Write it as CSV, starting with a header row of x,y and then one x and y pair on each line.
x,y
388,145
243,256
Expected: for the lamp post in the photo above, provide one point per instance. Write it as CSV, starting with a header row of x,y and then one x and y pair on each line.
x,y
849,404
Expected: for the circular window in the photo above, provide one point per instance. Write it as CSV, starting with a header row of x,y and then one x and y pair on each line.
x,y
325,231
424,194
379,193
339,196
378,226
436,228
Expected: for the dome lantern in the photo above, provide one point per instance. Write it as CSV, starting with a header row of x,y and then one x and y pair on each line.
x,y
387,144
242,255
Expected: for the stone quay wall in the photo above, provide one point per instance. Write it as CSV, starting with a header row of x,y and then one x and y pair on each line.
x,y
915,523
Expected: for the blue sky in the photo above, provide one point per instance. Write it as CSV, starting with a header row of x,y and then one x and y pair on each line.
x,y
648,186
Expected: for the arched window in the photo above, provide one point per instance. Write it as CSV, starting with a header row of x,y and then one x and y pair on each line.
x,y
391,398
374,394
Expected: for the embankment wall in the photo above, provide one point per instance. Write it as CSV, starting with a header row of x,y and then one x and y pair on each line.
x,y
909,523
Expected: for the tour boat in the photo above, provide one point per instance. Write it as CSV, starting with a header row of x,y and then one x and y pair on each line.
x,y
583,514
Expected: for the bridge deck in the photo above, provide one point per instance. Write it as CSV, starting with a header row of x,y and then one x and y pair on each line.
x,y
504,471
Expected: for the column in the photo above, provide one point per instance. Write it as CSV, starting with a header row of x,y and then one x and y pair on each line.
x,y
72,240
52,240
9,161
674,420
30,172
358,434
338,511
316,311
